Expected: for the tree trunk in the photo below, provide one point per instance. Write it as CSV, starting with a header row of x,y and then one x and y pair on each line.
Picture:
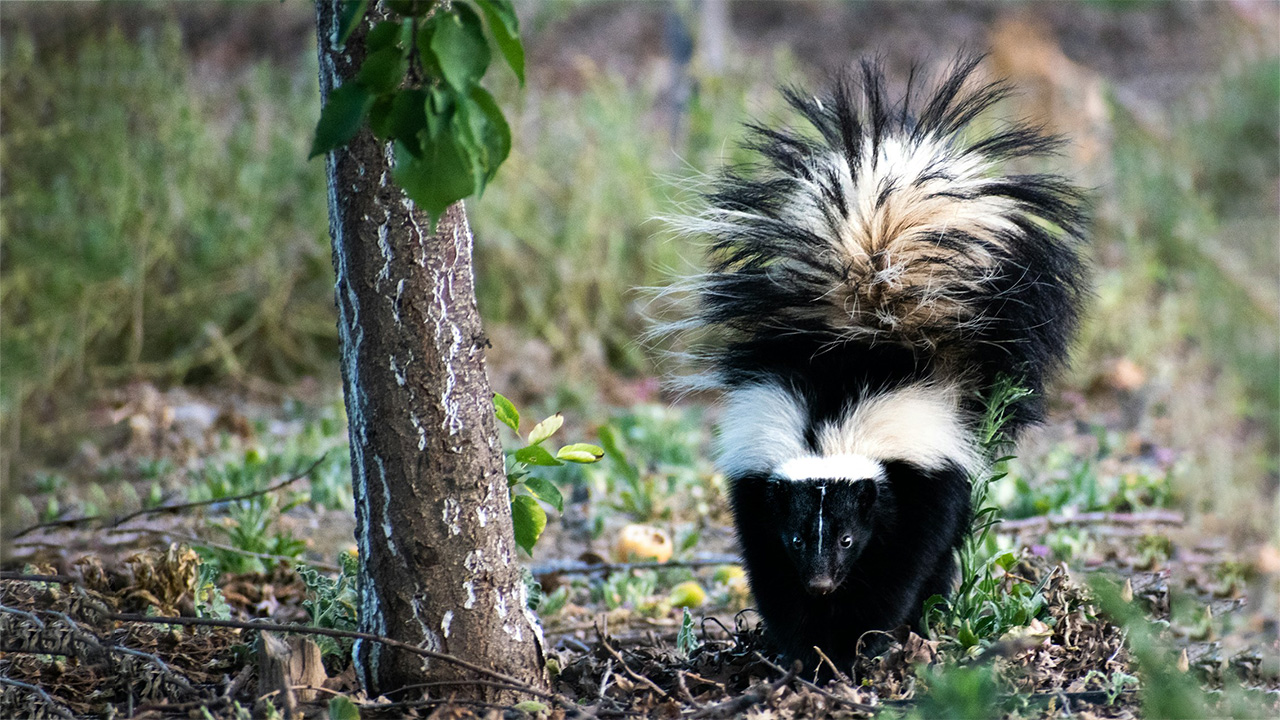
x,y
433,520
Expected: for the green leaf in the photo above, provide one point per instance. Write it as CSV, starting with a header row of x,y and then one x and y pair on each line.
x,y
530,706
611,448
584,453
341,708
352,14
383,35
546,491
341,117
436,179
408,118
545,429
459,46
529,520
380,115
536,455
506,412
505,28
384,70
490,129
686,639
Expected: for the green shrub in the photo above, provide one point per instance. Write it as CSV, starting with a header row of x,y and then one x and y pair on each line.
x,y
154,227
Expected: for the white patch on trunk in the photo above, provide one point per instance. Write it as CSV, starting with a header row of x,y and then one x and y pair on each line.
x,y
445,622
474,560
386,506
430,639
452,513
500,603
448,335
422,433
384,247
470,602
397,372
481,516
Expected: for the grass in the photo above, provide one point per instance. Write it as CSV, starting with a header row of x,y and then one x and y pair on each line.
x,y
1187,287
178,236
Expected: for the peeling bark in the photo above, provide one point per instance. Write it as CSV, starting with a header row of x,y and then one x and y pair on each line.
x,y
425,458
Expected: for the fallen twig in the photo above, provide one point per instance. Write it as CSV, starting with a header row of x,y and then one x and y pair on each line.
x,y
851,704
193,540
577,567
118,521
740,704
631,673
1149,517
333,632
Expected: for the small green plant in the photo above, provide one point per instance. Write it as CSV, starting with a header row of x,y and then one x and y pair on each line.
x,y
527,489
331,603
639,491
990,600
962,692
634,589
1113,684
209,601
418,87
250,527
686,639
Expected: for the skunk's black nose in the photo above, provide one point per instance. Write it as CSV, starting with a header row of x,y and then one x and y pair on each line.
x,y
822,585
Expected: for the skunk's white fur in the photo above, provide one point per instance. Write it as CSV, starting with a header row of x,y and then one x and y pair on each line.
x,y
763,428
919,423
845,466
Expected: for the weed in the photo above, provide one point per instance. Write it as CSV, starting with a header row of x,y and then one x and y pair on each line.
x,y
209,601
331,603
990,600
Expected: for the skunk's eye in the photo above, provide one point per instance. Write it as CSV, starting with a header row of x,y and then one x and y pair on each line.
x,y
796,541
846,541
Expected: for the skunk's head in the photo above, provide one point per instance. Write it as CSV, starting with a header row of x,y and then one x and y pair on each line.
x,y
824,522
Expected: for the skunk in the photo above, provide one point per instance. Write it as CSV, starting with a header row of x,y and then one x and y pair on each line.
x,y
871,281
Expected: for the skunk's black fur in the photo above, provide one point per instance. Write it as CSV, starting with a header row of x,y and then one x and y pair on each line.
x,y
869,286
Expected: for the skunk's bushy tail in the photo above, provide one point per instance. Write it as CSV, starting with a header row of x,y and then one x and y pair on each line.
x,y
891,223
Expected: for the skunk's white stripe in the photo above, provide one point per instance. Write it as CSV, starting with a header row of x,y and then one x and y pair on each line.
x,y
761,427
822,496
921,424
831,467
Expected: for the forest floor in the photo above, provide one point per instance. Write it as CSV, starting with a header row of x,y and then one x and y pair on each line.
x,y
1190,628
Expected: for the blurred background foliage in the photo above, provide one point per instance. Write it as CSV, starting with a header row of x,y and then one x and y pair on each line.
x,y
160,221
